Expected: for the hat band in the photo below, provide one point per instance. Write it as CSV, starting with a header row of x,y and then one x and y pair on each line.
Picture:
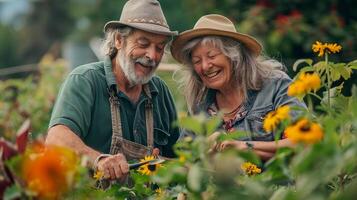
x,y
150,21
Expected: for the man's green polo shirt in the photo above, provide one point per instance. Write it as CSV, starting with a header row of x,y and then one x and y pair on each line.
x,y
83,106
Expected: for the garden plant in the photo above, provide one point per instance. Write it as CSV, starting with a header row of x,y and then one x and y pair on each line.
x,y
322,165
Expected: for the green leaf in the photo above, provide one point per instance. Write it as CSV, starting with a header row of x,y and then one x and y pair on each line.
x,y
354,62
353,66
250,156
320,66
300,61
335,75
346,73
12,192
307,69
195,178
236,135
342,70
281,193
193,123
212,124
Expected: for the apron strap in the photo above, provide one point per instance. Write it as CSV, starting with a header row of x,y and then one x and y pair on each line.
x,y
149,118
117,135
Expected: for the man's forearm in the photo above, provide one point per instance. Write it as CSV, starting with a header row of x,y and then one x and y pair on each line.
x,y
63,136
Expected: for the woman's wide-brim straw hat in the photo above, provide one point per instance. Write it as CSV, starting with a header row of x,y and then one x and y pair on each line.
x,y
145,15
213,25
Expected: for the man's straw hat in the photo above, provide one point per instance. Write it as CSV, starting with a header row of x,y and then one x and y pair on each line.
x,y
145,15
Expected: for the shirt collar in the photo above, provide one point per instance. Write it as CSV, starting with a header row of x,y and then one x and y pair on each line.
x,y
109,75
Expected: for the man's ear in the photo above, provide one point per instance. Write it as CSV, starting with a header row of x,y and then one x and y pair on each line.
x,y
118,41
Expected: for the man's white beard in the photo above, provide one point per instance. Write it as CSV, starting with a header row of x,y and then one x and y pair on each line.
x,y
127,64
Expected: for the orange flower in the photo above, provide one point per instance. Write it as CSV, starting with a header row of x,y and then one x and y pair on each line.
x,y
322,49
48,171
304,131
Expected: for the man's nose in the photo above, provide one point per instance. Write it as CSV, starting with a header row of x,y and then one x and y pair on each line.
x,y
151,53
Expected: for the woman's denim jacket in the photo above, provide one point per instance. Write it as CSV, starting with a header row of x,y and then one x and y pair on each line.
x,y
259,103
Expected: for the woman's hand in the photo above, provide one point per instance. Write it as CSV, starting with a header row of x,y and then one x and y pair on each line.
x,y
236,144
212,141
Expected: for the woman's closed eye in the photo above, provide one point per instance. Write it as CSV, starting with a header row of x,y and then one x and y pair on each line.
x,y
196,61
213,54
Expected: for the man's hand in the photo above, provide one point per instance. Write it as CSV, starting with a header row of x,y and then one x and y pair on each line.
x,y
114,167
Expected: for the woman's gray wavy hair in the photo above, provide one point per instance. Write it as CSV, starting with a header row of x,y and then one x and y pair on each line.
x,y
108,44
248,71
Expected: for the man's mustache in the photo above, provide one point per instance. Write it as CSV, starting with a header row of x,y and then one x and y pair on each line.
x,y
146,61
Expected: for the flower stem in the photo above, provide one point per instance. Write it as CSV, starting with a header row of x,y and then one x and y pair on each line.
x,y
328,80
315,95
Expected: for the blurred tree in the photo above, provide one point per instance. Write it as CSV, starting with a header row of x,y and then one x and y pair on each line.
x,y
8,47
48,22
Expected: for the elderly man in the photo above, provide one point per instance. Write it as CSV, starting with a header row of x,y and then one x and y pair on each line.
x,y
116,110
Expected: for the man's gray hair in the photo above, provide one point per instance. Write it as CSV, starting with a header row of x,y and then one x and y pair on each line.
x,y
108,44
248,71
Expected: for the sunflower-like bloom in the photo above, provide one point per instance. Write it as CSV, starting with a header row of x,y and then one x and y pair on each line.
x,y
182,159
333,48
250,168
98,175
49,171
148,169
273,118
326,48
305,83
304,131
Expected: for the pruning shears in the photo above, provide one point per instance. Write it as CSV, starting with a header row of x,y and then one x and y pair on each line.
x,y
150,162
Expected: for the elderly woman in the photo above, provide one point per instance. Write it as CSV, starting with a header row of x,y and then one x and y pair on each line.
x,y
224,73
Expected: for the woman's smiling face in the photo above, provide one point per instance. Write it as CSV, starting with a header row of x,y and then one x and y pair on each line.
x,y
212,66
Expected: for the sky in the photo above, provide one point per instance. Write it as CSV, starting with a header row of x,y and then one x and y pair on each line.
x,y
10,10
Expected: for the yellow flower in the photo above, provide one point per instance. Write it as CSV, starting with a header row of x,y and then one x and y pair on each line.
x,y
274,118
182,114
98,175
159,194
158,191
305,83
250,168
318,47
182,158
312,81
304,131
333,48
325,48
297,88
48,171
148,169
